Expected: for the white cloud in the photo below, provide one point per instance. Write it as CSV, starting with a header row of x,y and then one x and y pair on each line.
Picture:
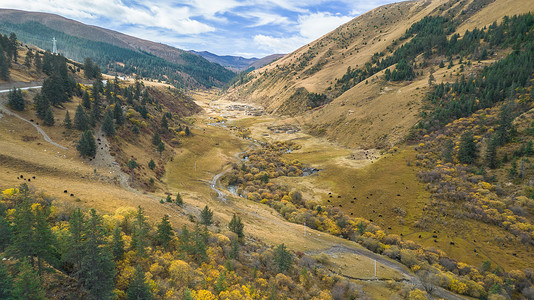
x,y
310,27
219,26
279,45
315,25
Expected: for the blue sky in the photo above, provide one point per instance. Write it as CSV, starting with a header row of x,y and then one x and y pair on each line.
x,y
225,27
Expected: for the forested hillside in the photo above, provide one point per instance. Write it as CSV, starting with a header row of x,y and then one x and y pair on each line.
x,y
191,70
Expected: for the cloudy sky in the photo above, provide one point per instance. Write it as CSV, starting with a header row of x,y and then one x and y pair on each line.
x,y
225,27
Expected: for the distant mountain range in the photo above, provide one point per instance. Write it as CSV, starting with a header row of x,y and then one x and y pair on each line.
x,y
237,63
114,51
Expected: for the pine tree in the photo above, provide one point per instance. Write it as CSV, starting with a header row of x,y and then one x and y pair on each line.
x,y
41,105
4,67
44,239
140,233
107,125
96,112
118,114
164,123
179,199
187,131
491,152
86,100
151,164
135,130
28,284
67,122
23,245
156,140
164,233
282,258
117,244
98,272
80,119
15,99
236,226
75,251
234,251
87,145
138,289
6,231
49,117
132,164
37,62
200,242
467,153
29,58
6,283
161,148
206,216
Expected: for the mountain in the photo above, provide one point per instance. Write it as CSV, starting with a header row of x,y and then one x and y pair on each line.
x,y
237,63
112,50
320,83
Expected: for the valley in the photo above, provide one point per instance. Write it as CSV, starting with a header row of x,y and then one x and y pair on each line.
x,y
389,159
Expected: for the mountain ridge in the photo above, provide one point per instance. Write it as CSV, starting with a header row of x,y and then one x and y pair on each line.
x,y
111,47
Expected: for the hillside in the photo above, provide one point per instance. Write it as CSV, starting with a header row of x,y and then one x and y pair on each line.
x,y
372,112
237,63
113,51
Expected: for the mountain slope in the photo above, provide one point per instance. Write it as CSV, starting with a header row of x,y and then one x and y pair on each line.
x,y
77,41
372,112
237,63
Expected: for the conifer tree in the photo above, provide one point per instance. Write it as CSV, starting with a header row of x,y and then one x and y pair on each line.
x,y
156,140
117,244
118,114
37,62
6,232
4,67
96,111
206,216
467,153
282,258
179,199
107,124
491,152
29,58
6,283
138,289
41,105
28,284
75,251
97,272
15,99
67,122
236,226
80,119
151,164
23,245
187,131
132,164
200,242
49,117
140,233
164,233
164,123
87,145
161,148
43,238
86,100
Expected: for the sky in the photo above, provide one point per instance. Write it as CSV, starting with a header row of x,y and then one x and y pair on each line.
x,y
248,28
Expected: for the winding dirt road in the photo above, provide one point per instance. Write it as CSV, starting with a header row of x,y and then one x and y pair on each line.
x,y
5,110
